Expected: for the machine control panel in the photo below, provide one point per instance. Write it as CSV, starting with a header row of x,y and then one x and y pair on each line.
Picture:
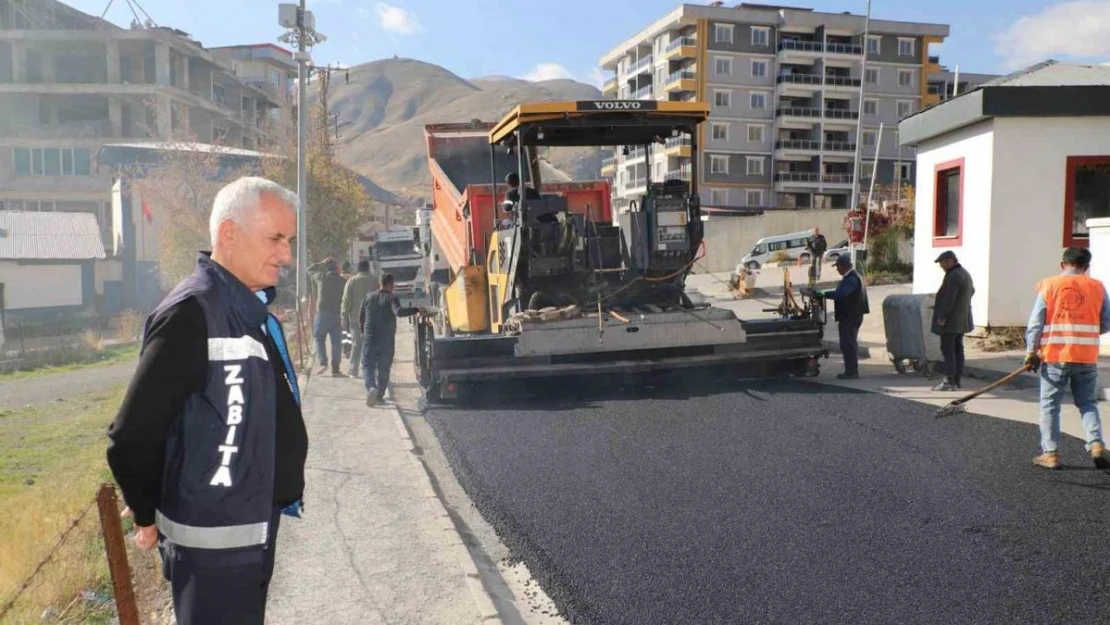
x,y
671,232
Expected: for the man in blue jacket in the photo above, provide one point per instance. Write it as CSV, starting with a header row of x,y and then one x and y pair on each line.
x,y
209,445
851,305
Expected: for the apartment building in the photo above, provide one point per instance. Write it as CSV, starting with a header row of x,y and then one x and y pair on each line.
x,y
783,85
268,67
947,84
71,83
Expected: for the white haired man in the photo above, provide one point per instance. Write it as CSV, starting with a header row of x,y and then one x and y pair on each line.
x,y
209,445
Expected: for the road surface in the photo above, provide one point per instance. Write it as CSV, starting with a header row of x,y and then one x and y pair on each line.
x,y
20,392
780,502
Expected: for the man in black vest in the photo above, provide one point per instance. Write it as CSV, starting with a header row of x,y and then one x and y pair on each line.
x,y
209,445
851,305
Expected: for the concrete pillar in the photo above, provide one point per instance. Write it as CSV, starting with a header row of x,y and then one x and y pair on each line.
x,y
164,113
1100,261
19,61
161,63
115,116
111,58
48,73
183,73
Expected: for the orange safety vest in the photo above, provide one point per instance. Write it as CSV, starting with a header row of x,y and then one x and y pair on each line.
x,y
1071,322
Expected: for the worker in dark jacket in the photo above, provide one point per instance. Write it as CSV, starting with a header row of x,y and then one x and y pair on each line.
x,y
209,444
851,305
378,318
329,303
952,318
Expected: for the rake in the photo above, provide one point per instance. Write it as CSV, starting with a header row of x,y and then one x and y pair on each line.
x,y
957,406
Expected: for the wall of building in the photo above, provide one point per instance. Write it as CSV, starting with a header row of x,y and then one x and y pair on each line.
x,y
24,285
728,239
1028,204
976,146
1100,262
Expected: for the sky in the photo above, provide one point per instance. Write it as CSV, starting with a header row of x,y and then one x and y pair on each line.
x,y
565,38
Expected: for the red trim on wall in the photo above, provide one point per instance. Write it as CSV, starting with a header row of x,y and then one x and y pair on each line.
x,y
1069,196
938,198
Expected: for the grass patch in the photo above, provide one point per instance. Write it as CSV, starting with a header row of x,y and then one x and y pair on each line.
x,y
68,358
51,463
1000,339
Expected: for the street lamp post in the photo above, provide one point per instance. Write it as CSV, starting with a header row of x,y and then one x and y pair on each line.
x,y
301,30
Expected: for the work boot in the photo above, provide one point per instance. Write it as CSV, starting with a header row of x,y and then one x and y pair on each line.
x,y
1098,455
946,386
336,373
1048,460
847,376
371,398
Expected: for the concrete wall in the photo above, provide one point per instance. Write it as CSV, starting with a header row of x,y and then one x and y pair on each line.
x,y
1100,261
1028,203
975,145
24,285
728,239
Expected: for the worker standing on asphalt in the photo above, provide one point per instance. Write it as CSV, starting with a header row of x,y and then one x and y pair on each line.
x,y
1071,312
358,287
378,318
209,444
816,246
329,301
851,306
952,318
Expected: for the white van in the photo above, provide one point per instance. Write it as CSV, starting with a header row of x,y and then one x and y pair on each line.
x,y
793,244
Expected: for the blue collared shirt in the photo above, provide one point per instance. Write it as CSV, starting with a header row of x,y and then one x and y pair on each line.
x,y
1035,328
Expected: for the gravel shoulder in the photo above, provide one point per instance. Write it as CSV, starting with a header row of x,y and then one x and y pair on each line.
x,y
22,392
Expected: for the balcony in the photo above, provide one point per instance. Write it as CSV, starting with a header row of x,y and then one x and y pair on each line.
x,y
639,66
836,179
647,93
795,45
636,183
609,87
798,111
681,48
805,177
799,79
608,166
798,144
678,146
682,173
634,154
839,146
831,113
842,81
681,81
844,49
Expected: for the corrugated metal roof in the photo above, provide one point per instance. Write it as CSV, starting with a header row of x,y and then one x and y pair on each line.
x,y
1053,74
26,235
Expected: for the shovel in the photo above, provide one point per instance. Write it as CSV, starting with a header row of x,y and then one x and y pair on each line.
x,y
957,406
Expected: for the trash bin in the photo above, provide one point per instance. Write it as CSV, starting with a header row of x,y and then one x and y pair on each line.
x,y
908,320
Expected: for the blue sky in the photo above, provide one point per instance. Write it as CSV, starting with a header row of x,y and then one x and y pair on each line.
x,y
565,38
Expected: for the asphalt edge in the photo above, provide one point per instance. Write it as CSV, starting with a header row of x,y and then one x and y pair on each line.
x,y
487,611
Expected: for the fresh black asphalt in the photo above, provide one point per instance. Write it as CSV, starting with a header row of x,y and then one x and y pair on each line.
x,y
781,502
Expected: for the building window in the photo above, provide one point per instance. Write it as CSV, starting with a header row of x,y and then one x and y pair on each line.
x,y
754,197
948,207
722,65
722,99
1086,196
759,69
722,33
870,107
761,36
905,78
52,161
720,132
758,100
904,171
869,138
905,47
755,165
755,133
718,164
874,45
718,197
905,108
871,76
275,77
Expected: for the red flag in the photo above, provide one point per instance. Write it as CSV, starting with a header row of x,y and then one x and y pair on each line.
x,y
147,212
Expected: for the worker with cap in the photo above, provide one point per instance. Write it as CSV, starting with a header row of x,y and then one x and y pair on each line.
x,y
851,306
1071,312
952,318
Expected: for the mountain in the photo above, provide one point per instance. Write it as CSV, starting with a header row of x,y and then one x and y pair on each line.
x,y
384,105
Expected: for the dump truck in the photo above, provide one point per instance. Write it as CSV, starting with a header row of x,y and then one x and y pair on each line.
x,y
542,283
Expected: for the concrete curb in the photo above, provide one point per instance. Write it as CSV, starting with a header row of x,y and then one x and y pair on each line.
x,y
487,611
834,348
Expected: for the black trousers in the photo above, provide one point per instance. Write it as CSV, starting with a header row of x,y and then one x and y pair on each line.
x,y
952,346
220,587
849,343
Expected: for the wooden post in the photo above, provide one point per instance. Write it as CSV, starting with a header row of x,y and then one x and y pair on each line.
x,y
116,550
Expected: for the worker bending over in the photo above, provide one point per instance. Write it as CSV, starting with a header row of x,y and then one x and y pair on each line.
x,y
1071,311
851,305
378,319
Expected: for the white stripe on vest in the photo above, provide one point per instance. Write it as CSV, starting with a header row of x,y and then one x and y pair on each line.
x,y
241,348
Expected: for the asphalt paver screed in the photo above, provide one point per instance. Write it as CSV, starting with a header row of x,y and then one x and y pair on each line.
x,y
781,502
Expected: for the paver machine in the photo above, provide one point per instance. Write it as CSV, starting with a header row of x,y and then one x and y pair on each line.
x,y
543,283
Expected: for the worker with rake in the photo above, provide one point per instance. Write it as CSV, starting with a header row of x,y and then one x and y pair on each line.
x,y
1071,312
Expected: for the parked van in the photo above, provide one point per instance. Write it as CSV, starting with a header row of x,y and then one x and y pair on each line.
x,y
793,244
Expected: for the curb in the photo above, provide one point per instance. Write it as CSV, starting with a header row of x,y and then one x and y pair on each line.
x,y
487,611
834,348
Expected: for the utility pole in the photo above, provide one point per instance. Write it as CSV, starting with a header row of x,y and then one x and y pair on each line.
x,y
859,121
301,25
